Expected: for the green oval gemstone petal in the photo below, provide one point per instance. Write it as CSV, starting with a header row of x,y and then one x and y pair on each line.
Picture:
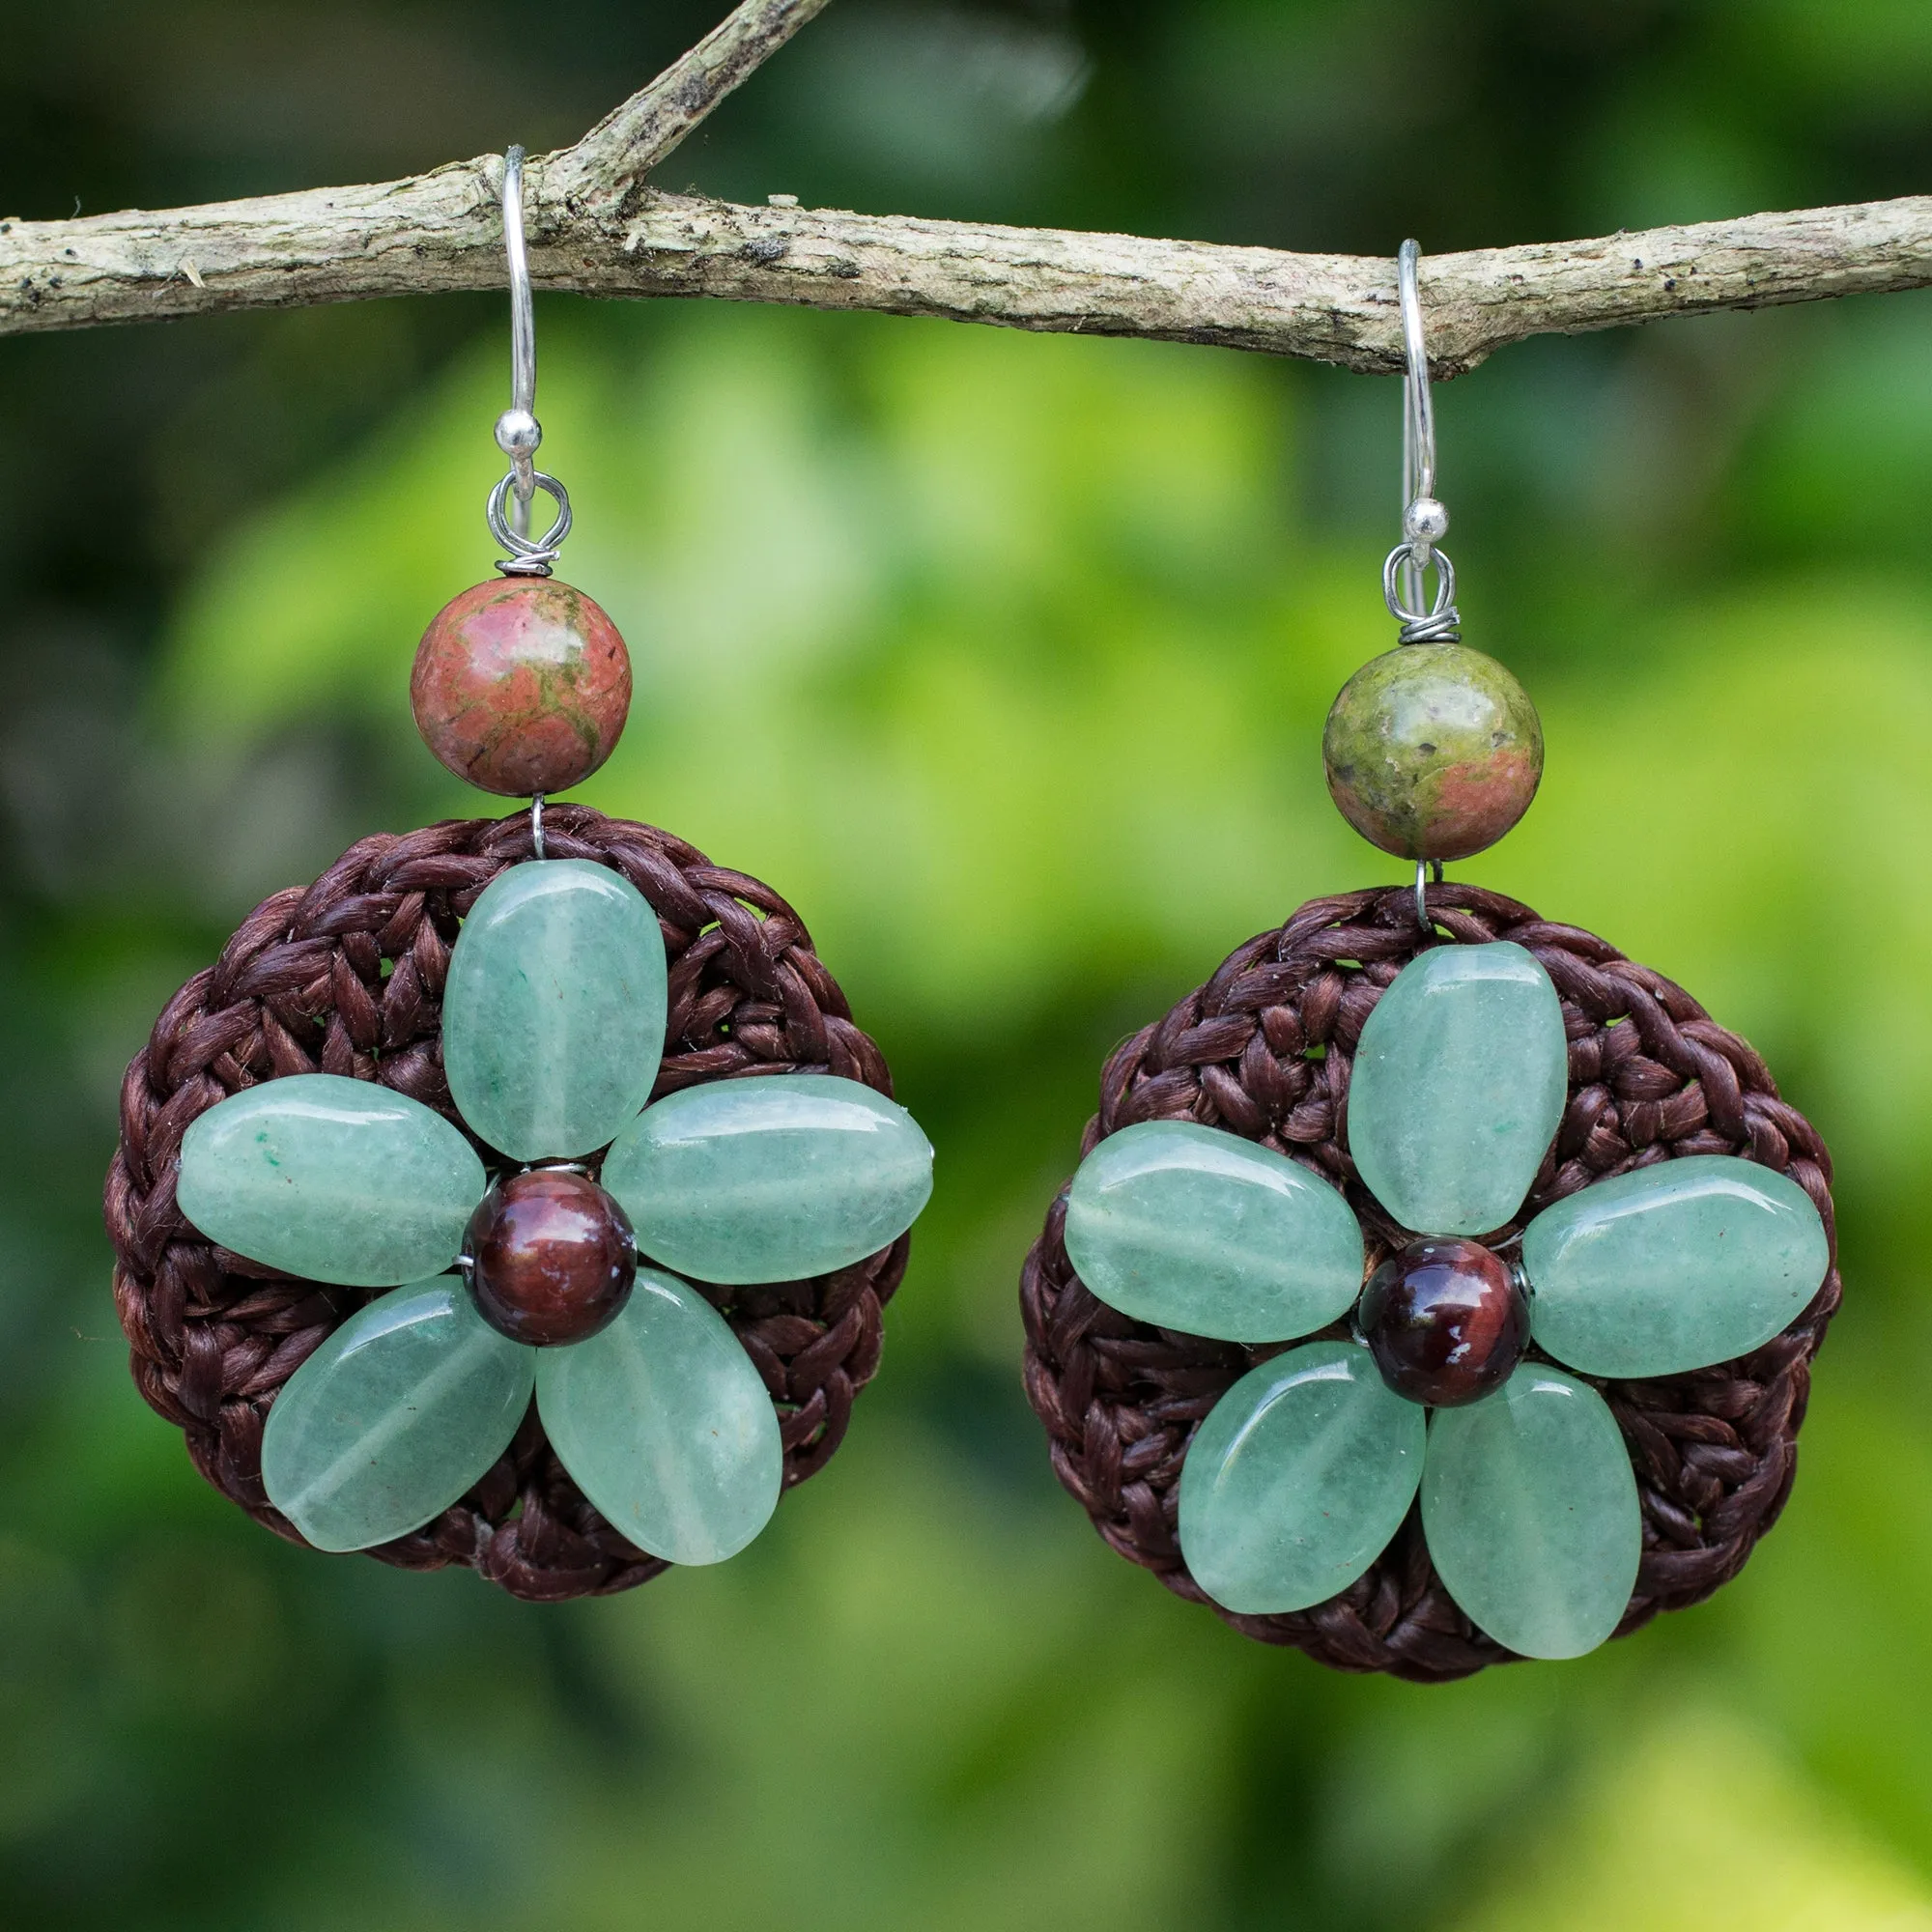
x,y
1458,1086
666,1426
770,1178
1673,1267
1530,1509
336,1180
1195,1228
554,1017
1297,1479
403,1408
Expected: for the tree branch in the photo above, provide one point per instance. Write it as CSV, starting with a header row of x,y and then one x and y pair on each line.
x,y
595,229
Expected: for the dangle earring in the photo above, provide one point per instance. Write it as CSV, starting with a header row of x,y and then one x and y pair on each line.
x,y
1437,1286
520,1194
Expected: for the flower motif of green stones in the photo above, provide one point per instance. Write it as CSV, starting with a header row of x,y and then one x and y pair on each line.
x,y
1297,1478
554,1020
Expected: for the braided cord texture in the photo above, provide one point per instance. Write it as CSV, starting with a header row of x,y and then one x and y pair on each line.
x,y
1263,1050
346,976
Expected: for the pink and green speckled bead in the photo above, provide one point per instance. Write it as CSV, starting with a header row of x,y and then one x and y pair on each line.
x,y
1432,752
521,686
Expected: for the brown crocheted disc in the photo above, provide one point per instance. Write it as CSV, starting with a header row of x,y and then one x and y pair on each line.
x,y
346,976
1263,1050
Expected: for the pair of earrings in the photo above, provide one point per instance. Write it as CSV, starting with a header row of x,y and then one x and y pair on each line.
x,y
1436,1286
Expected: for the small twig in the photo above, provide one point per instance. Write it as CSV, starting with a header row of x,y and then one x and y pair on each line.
x,y
615,157
597,230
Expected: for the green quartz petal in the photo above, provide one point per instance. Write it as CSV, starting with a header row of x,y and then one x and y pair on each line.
x,y
1458,1088
1531,1513
336,1180
1195,1228
1297,1479
666,1426
554,1017
406,1406
1673,1267
770,1178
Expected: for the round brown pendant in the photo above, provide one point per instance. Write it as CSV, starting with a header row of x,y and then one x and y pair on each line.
x,y
1446,1321
202,1335
552,1257
1263,1049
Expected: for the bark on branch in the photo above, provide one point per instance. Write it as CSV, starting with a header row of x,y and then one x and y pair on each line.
x,y
596,230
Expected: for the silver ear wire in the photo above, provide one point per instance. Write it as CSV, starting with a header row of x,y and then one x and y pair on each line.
x,y
519,434
1425,522
518,430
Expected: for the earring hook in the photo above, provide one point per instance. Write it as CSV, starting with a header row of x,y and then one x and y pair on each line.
x,y
518,430
1425,522
520,420
1418,427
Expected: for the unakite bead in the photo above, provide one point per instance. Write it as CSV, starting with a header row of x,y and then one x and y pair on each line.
x,y
406,1406
335,1179
1531,1513
553,1014
1297,1479
1195,1228
1458,1086
521,685
1432,752
770,1178
666,1426
1673,1267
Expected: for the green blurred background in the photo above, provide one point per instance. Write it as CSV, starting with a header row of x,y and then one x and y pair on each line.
x,y
1004,659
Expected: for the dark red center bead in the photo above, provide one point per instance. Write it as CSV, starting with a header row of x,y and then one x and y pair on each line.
x,y
552,1257
1446,1321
